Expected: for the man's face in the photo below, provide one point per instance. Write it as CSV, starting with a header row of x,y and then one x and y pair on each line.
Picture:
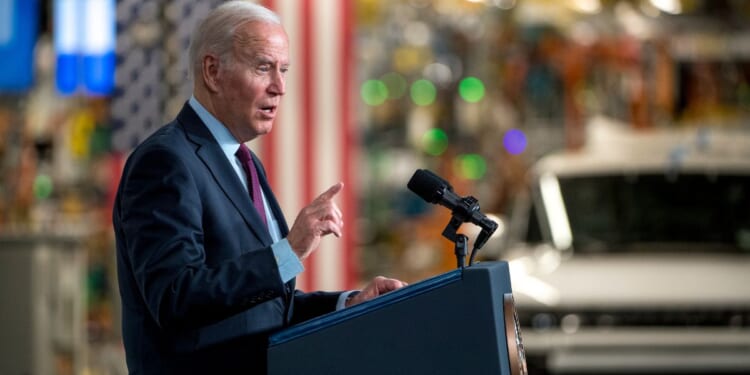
x,y
251,86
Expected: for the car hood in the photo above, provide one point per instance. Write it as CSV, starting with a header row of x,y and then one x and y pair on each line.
x,y
631,281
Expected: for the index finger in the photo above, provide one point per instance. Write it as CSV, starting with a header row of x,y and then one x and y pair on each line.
x,y
331,192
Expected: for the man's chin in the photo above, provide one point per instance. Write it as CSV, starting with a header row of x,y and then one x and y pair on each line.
x,y
264,127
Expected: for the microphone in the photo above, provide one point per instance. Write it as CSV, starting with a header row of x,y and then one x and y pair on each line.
x,y
436,190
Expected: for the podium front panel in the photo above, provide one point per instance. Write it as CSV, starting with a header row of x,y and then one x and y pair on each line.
x,y
453,323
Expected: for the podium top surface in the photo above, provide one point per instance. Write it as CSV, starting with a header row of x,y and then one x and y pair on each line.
x,y
380,302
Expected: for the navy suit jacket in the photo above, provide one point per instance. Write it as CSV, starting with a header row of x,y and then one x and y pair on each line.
x,y
199,283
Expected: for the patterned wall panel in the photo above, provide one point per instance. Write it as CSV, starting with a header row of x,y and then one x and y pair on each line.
x,y
151,73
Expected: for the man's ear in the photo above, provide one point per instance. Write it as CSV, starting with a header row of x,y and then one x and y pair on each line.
x,y
210,72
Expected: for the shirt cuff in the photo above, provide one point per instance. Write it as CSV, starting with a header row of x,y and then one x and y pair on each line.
x,y
341,304
289,265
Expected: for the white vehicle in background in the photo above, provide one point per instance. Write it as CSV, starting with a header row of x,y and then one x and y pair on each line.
x,y
633,255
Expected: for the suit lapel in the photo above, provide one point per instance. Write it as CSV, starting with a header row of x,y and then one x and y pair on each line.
x,y
213,157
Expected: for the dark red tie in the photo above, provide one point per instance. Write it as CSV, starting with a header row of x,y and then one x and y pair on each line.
x,y
253,184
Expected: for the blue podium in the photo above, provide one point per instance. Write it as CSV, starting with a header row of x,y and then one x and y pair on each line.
x,y
460,322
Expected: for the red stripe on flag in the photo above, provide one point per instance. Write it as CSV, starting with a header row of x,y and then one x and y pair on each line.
x,y
308,119
348,142
269,140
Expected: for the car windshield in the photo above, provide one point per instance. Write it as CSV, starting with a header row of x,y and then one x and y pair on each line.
x,y
629,212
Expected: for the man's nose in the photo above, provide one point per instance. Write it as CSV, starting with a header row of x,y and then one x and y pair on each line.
x,y
278,85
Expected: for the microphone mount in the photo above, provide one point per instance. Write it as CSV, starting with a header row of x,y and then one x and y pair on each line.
x,y
462,213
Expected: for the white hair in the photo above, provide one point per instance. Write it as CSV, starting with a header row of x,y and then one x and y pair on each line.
x,y
215,34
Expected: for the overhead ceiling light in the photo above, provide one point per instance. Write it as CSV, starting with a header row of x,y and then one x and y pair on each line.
x,y
588,6
668,6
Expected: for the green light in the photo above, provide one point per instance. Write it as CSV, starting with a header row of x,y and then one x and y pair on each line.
x,y
743,95
396,84
374,92
434,142
42,186
471,89
471,166
423,92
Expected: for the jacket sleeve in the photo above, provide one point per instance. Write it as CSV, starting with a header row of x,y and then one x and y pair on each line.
x,y
311,305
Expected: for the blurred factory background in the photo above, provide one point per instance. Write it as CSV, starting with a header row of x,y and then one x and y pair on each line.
x,y
478,91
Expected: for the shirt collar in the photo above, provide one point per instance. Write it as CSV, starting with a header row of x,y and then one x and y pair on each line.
x,y
223,137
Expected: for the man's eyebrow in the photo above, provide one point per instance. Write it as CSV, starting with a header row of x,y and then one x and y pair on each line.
x,y
261,60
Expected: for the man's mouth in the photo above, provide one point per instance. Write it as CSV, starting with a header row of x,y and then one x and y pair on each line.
x,y
268,109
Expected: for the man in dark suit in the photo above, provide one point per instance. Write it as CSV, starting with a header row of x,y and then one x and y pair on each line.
x,y
206,262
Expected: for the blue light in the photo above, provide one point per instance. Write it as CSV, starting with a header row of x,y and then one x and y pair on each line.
x,y
99,46
18,34
514,141
99,73
66,76
85,45
67,45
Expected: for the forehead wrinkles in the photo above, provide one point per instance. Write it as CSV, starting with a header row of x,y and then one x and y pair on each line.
x,y
256,38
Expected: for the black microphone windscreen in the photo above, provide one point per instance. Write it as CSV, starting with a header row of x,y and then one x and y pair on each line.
x,y
428,185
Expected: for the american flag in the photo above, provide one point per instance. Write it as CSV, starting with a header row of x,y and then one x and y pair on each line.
x,y
313,144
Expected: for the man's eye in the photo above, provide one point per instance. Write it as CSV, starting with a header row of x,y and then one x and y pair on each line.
x,y
264,68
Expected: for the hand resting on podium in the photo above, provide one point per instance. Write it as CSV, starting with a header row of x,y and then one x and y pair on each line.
x,y
378,286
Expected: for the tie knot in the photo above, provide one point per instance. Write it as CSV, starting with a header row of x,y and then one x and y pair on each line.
x,y
243,153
